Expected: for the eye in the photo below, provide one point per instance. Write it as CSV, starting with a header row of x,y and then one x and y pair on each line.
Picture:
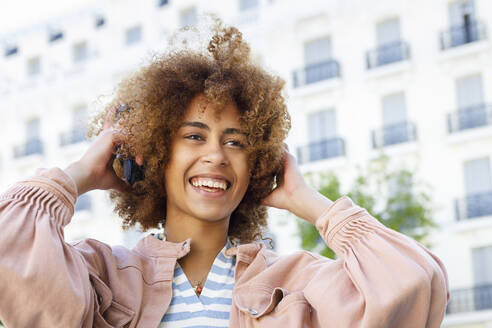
x,y
196,137
235,143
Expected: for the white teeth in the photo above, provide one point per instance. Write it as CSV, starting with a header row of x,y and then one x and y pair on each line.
x,y
207,182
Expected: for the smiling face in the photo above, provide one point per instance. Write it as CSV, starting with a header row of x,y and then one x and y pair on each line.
x,y
207,174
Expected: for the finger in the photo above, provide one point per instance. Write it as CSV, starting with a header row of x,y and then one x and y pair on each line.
x,y
115,137
119,184
109,119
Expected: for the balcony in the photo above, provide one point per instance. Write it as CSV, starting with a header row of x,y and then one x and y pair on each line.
x,y
474,206
470,118
71,137
319,150
470,299
387,54
463,34
317,72
31,147
394,134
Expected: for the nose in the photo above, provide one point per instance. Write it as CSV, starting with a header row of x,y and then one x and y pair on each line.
x,y
215,155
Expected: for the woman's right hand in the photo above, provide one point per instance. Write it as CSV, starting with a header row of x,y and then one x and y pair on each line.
x,y
95,169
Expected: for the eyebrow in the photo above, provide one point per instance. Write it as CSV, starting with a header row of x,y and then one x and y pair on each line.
x,y
206,127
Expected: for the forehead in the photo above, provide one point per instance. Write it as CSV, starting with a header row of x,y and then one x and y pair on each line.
x,y
202,109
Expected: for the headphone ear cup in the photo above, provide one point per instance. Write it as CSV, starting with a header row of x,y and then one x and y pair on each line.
x,y
127,170
132,171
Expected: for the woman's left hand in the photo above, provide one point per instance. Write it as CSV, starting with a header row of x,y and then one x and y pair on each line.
x,y
295,195
292,181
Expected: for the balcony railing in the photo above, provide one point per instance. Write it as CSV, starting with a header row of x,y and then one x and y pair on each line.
x,y
470,299
387,54
469,118
394,134
321,150
71,137
463,34
474,206
317,72
31,147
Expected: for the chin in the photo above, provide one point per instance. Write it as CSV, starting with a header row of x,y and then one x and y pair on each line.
x,y
211,216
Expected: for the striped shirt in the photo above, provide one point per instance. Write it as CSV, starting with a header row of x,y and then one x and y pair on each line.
x,y
212,308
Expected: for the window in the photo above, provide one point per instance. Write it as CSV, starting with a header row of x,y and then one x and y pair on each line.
x,y
388,32
33,66
478,184
55,36
390,47
322,125
317,51
248,4
10,51
188,17
482,275
469,91
318,62
461,12
323,140
33,143
80,116
482,265
394,109
162,3
33,133
477,176
80,52
133,35
396,129
79,127
464,27
472,111
100,21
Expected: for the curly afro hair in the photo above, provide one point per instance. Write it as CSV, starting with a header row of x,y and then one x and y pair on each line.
x,y
158,96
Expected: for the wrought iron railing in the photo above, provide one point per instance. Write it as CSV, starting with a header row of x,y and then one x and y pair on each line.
x,y
463,34
321,150
387,54
469,118
316,72
73,136
474,206
31,147
394,134
470,299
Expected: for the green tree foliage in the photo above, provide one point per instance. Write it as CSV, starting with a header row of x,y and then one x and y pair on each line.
x,y
391,196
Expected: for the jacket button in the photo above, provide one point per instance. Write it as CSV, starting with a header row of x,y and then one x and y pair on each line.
x,y
253,311
100,299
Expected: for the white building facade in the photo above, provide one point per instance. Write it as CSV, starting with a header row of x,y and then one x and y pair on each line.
x,y
410,78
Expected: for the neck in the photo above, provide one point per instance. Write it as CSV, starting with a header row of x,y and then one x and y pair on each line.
x,y
207,238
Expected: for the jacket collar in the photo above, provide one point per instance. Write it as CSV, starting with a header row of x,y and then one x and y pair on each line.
x,y
151,246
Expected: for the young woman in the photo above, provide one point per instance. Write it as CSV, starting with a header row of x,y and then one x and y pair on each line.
x,y
208,130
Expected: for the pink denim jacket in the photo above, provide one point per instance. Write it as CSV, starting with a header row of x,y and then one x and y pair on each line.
x,y
381,279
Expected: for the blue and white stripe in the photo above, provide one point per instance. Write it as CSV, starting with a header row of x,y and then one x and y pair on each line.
x,y
212,308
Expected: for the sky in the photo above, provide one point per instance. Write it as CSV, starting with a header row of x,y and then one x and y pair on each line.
x,y
15,14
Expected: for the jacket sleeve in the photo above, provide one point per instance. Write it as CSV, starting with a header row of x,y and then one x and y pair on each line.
x,y
44,282
385,279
